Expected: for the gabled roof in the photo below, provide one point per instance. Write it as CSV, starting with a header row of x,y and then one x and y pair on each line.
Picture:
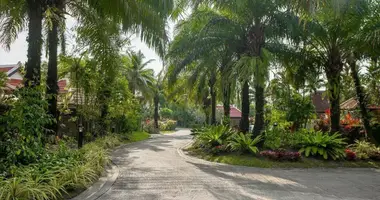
x,y
353,103
17,82
234,112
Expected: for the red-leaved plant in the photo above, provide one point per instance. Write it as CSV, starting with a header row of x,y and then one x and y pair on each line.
x,y
281,155
350,155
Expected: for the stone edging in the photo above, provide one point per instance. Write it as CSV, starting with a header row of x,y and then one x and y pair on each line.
x,y
105,182
101,186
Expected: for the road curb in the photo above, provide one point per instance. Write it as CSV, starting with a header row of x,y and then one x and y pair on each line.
x,y
101,186
105,182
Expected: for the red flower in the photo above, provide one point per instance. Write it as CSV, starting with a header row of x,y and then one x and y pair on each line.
x,y
218,147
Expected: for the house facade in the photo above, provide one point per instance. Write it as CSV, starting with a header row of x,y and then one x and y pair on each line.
x,y
235,114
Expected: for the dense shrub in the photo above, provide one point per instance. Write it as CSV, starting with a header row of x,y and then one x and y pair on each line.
x,y
365,150
166,113
280,138
167,125
58,172
322,144
148,126
243,143
281,155
23,128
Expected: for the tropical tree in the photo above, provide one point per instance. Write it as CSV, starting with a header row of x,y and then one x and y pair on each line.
x,y
364,43
328,36
140,78
245,28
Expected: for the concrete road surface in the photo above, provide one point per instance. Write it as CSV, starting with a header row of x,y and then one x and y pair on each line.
x,y
158,169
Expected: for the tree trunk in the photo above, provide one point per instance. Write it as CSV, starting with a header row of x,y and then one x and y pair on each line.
x,y
259,115
103,99
33,65
206,108
226,103
213,98
333,70
156,116
244,122
362,101
52,74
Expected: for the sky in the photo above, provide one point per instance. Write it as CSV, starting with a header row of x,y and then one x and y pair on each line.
x,y
18,49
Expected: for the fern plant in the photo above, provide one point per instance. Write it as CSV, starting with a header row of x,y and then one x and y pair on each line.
x,y
214,135
323,144
244,143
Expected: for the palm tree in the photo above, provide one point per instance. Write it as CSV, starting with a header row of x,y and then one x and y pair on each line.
x,y
140,78
16,16
326,39
244,27
367,47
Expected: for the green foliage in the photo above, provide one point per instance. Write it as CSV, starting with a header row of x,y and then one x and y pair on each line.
x,y
243,143
364,150
58,172
166,113
300,110
22,133
322,144
214,135
167,125
139,77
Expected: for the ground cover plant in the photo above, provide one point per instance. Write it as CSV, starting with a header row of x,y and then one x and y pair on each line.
x,y
62,170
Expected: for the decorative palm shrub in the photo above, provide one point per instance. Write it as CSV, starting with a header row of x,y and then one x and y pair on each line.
x,y
322,144
214,135
243,143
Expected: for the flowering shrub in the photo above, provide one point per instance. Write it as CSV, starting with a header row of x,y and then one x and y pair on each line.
x,y
348,121
350,155
281,155
167,125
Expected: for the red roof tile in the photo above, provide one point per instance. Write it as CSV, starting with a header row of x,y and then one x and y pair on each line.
x,y
234,112
15,82
5,69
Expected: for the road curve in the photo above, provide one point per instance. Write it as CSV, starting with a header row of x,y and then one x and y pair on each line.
x,y
156,169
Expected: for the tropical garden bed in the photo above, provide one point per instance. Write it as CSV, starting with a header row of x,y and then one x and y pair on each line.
x,y
61,171
277,148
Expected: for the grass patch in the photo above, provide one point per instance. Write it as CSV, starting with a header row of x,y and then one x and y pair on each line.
x,y
167,132
137,136
252,161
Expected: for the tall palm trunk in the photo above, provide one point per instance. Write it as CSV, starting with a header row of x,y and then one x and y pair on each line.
x,y
257,43
213,98
333,70
244,122
259,112
206,108
362,100
156,115
33,65
226,103
52,74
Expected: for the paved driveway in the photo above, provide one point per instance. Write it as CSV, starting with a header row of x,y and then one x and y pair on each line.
x,y
156,169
